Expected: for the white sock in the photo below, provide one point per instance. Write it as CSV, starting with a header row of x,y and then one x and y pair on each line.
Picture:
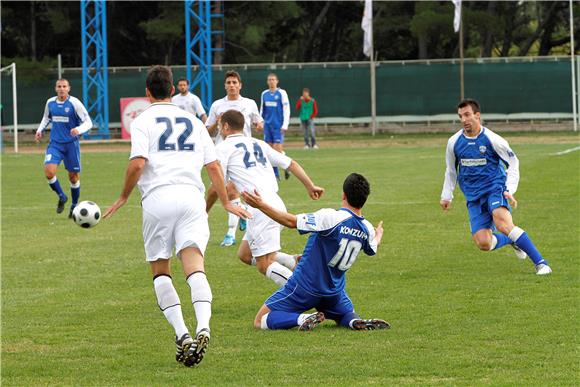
x,y
253,262
53,180
515,233
201,298
263,322
286,260
168,302
76,185
278,273
303,317
233,220
493,242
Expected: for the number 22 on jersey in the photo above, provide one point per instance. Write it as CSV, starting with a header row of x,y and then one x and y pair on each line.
x,y
182,145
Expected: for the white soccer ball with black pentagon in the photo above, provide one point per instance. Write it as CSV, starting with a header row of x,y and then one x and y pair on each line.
x,y
87,214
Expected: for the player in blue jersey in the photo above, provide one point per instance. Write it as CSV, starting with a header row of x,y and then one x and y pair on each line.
x,y
337,236
275,109
69,121
488,173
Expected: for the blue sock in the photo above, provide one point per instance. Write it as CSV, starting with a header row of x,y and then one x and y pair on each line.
x,y
523,241
55,186
282,320
502,240
276,172
75,191
347,318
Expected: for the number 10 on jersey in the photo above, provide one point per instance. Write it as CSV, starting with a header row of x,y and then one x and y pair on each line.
x,y
346,254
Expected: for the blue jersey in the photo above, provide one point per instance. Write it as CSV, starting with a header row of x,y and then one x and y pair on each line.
x,y
65,115
481,164
275,109
337,238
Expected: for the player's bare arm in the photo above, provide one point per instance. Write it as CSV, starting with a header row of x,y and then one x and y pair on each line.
x,y
445,205
314,191
210,198
214,170
134,171
379,232
255,200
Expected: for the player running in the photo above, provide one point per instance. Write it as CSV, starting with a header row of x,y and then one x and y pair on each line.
x,y
275,109
478,158
169,147
247,162
248,107
69,120
188,101
319,279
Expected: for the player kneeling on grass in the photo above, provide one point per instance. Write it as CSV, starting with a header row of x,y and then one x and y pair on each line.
x,y
169,148
247,162
320,277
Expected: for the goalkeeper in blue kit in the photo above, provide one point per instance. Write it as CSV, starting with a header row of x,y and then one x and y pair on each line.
x,y
487,170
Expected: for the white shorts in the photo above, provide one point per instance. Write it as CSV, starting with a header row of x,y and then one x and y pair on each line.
x,y
174,217
263,233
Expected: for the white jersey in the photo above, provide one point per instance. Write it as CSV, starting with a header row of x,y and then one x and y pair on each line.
x,y
190,103
248,162
176,145
246,106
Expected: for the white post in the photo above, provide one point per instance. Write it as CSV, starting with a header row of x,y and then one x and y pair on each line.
x,y
59,66
15,108
578,88
373,96
572,57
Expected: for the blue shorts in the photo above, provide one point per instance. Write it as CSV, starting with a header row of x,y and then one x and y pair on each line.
x,y
273,135
292,298
69,152
480,210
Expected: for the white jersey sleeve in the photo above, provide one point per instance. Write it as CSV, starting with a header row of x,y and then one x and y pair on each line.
x,y
84,117
285,109
374,246
212,115
139,142
276,158
45,118
197,105
209,153
321,220
262,102
255,116
450,170
502,148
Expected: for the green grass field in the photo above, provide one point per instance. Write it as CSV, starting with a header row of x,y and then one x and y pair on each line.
x,y
78,306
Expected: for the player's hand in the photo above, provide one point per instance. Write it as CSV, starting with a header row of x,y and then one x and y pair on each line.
x,y
252,199
445,205
379,232
74,132
37,136
315,192
111,210
237,210
510,198
259,126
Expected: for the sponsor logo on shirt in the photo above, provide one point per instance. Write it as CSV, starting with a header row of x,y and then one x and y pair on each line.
x,y
60,119
271,103
66,109
473,162
511,154
354,232
311,219
482,149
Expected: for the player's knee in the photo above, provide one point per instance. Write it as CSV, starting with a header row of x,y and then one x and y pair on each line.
x,y
504,228
73,177
245,259
483,244
258,322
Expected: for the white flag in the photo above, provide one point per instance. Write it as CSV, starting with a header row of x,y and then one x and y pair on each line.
x,y
367,26
457,18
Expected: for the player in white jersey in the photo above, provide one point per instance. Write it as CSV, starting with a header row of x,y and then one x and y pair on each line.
x,y
188,101
233,100
169,147
247,162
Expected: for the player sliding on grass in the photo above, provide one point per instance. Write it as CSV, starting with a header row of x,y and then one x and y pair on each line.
x,y
320,277
478,158
247,162
169,148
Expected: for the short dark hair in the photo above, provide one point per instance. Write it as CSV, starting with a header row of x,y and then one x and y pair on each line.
x,y
183,80
234,119
306,90
232,73
272,75
357,189
159,82
62,80
469,102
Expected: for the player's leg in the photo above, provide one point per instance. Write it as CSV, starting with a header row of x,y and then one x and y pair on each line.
x,y
504,223
75,190
245,255
72,163
269,139
233,220
312,133
52,159
481,222
268,266
304,125
340,309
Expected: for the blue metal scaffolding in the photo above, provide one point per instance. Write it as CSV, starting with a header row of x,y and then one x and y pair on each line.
x,y
198,49
95,67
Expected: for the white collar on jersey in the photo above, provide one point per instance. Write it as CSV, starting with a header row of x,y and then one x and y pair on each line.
x,y
235,135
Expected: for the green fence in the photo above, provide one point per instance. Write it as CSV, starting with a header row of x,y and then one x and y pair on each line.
x,y
540,85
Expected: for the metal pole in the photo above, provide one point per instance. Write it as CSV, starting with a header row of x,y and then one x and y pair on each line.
x,y
59,58
572,57
373,83
577,88
461,74
15,107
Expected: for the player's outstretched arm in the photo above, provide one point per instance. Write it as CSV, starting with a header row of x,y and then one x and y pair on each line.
x,y
134,170
445,205
511,199
314,191
214,170
210,198
255,200
379,233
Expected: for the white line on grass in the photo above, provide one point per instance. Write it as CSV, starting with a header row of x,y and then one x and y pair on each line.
x,y
567,151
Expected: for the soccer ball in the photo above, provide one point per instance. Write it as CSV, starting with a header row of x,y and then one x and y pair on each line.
x,y
87,214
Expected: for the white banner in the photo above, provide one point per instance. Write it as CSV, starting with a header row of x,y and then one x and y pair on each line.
x,y
457,18
367,26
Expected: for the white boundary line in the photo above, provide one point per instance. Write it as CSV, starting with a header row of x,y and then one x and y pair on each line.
x,y
567,151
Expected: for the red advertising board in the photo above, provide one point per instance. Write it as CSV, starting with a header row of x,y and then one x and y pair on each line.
x,y
131,107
